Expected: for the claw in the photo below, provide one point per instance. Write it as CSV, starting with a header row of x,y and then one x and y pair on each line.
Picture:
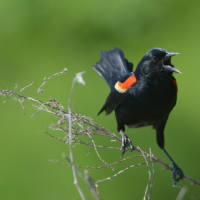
x,y
130,144
125,143
180,174
175,169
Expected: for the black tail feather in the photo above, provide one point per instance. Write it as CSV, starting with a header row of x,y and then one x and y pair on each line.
x,y
112,66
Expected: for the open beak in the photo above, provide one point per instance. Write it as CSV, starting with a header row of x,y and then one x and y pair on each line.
x,y
167,64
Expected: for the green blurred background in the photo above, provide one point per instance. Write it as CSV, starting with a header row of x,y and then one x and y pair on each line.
x,y
39,38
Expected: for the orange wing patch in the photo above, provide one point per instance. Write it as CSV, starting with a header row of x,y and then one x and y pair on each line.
x,y
123,87
176,84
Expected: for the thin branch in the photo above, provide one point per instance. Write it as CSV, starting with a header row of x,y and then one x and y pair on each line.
x,y
4,93
9,93
46,79
91,185
70,145
96,149
149,170
24,87
39,109
22,101
153,175
16,86
22,104
109,178
100,167
59,139
182,192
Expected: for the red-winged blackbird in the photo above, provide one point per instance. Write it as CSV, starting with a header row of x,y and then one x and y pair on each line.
x,y
141,98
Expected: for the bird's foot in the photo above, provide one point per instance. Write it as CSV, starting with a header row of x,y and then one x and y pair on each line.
x,y
180,174
125,143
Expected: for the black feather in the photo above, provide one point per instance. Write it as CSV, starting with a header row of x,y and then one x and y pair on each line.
x,y
113,66
129,65
113,100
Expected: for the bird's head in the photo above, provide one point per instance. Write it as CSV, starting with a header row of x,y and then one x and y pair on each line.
x,y
157,61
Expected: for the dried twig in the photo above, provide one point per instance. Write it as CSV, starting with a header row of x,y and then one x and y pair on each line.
x,y
70,144
24,87
91,185
149,170
100,167
183,191
109,178
46,79
153,175
96,149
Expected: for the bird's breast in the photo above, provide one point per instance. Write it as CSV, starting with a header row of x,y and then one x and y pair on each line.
x,y
146,103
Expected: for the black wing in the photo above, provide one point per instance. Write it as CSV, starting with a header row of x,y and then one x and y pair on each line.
x,y
113,100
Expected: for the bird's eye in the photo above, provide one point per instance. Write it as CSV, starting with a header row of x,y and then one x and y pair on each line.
x,y
155,59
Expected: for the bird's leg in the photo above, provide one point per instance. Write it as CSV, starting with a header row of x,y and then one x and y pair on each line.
x,y
175,169
125,142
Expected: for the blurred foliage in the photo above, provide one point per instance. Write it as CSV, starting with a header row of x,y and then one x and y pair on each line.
x,y
39,38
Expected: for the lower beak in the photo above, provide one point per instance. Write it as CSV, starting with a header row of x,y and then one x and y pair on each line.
x,y
171,69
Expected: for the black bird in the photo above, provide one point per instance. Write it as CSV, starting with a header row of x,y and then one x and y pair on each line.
x,y
141,98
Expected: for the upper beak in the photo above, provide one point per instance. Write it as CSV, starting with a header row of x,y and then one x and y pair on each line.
x,y
170,54
171,68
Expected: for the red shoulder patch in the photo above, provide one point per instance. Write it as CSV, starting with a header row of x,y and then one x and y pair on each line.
x,y
123,87
176,84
